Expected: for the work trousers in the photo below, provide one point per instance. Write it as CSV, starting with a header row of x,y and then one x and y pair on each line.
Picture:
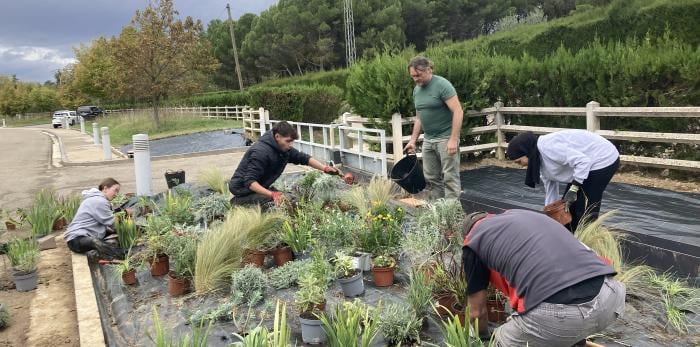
x,y
441,170
590,195
83,244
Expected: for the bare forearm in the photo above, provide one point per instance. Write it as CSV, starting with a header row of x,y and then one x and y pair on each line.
x,y
416,129
257,188
477,310
457,118
315,164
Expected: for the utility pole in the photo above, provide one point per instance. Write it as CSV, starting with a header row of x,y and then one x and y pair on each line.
x,y
235,50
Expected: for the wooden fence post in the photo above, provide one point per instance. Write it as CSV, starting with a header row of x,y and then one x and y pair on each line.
x,y
592,120
500,135
261,112
397,136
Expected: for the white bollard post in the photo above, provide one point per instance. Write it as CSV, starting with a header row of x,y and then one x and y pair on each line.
x,y
142,164
82,125
64,122
95,134
3,122
106,144
67,123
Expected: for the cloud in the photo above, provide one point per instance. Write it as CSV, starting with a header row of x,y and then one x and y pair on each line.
x,y
37,36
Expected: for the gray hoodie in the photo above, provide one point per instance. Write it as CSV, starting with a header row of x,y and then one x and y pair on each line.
x,y
93,216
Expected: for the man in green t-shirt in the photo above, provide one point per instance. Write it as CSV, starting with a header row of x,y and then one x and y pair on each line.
x,y
439,114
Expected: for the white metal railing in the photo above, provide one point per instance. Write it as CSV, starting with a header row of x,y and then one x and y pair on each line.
x,y
317,140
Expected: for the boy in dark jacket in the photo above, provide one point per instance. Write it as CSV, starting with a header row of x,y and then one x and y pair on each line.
x,y
263,164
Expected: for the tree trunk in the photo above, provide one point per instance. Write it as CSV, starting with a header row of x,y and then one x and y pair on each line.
x,y
156,118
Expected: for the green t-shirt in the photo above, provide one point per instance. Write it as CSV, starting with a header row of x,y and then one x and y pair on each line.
x,y
435,116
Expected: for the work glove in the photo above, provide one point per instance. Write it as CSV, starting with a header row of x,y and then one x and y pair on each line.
x,y
277,197
571,194
331,170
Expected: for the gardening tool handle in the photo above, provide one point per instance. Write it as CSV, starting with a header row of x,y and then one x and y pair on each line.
x,y
407,153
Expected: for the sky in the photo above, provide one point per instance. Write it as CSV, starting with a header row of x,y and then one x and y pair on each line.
x,y
37,36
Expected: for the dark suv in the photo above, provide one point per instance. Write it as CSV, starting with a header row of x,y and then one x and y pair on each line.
x,y
89,111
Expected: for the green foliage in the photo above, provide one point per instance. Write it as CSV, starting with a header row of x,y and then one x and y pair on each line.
x,y
214,178
280,336
44,212
127,234
297,233
380,87
343,265
333,230
248,283
23,254
420,293
221,312
305,184
70,205
383,261
311,104
119,200
5,318
211,207
124,266
327,78
351,320
162,338
312,292
178,208
182,251
221,249
399,325
461,334
382,231
325,188
287,275
227,98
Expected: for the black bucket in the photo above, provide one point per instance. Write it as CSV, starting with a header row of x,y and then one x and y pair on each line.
x,y
408,173
174,178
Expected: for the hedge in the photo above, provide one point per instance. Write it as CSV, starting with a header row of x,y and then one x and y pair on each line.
x,y
311,104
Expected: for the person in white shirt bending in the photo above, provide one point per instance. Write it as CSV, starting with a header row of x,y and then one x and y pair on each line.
x,y
584,160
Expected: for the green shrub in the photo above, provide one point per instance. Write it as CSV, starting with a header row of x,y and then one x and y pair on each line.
x,y
329,78
287,275
5,318
302,103
226,98
23,254
248,283
399,325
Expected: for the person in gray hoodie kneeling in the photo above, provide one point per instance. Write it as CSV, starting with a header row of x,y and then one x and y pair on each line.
x,y
94,220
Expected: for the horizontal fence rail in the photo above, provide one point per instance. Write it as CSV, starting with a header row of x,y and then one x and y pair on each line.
x,y
356,136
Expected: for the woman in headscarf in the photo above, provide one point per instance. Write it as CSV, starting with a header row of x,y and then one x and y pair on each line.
x,y
585,161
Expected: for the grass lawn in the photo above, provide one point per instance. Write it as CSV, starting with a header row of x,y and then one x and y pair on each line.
x,y
123,126
14,122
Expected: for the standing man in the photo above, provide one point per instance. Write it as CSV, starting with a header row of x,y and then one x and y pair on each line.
x,y
560,290
263,164
439,114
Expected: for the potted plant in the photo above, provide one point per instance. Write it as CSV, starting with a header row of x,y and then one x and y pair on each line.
x,y
182,252
24,257
157,239
11,223
350,321
400,326
298,235
442,290
419,293
496,306
211,207
383,270
126,269
125,228
70,206
309,299
145,204
349,277
262,229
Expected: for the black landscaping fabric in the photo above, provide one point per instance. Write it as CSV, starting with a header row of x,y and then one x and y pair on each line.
x,y
651,211
193,143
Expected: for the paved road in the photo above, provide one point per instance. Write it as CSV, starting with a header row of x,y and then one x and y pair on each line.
x,y
24,166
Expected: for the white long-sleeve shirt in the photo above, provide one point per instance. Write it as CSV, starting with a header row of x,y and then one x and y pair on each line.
x,y
569,155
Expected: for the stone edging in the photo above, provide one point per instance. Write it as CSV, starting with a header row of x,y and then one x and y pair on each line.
x,y
88,314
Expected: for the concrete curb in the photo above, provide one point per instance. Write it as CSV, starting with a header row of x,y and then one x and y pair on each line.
x,y
159,158
89,322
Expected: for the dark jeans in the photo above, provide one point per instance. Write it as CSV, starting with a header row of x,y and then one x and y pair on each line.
x,y
590,195
84,244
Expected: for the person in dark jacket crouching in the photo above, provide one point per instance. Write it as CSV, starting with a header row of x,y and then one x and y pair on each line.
x,y
263,164
560,290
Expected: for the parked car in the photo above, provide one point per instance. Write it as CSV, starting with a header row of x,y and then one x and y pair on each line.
x,y
57,118
89,112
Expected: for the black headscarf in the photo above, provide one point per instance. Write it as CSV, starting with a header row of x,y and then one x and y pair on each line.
x,y
526,144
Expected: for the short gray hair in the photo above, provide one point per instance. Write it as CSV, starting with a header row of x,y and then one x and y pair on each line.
x,y
420,63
